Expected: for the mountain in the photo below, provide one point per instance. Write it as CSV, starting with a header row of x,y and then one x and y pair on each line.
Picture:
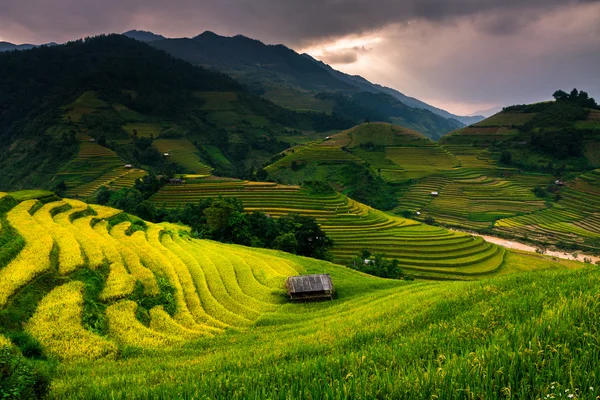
x,y
266,63
486,113
300,82
6,46
143,36
363,84
75,114
371,162
557,136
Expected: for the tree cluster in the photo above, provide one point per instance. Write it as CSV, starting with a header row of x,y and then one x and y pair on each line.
x,y
578,97
378,265
224,220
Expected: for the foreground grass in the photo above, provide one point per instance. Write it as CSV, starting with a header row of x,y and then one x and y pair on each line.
x,y
523,336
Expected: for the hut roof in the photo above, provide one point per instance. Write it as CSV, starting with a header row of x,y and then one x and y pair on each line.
x,y
310,286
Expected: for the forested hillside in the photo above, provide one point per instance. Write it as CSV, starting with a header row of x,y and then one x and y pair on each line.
x,y
302,83
123,94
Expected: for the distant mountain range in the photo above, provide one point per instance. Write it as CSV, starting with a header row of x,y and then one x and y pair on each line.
x,y
6,46
143,36
300,82
487,112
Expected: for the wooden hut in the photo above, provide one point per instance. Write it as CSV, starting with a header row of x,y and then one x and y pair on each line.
x,y
310,287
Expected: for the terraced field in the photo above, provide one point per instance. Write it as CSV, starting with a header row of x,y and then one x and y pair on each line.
x,y
184,153
215,286
426,251
143,129
123,312
93,167
575,218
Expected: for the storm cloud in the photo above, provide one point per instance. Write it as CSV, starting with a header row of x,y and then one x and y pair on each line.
x,y
460,54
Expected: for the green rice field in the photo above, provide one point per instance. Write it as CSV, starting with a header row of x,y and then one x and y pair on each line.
x,y
152,313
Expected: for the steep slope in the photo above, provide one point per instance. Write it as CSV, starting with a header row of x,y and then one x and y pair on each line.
x,y
364,85
242,53
370,162
300,82
123,94
547,152
428,252
465,182
143,36
542,136
122,308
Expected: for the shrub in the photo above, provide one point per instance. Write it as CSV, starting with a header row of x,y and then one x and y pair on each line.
x,y
429,220
19,379
28,345
407,213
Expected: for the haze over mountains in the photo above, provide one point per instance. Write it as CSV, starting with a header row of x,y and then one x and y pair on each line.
x,y
280,74
242,53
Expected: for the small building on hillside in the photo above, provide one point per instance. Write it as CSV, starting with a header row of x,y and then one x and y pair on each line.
x,y
176,181
559,183
128,166
91,140
435,194
166,154
310,287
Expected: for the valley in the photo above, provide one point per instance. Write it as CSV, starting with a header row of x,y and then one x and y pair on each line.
x,y
156,194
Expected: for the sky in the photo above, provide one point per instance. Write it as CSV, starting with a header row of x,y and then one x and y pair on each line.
x,y
459,55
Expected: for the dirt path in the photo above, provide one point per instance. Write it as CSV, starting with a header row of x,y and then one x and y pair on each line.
x,y
511,244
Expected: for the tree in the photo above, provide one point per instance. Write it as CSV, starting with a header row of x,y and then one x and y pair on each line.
x,y
286,242
312,241
261,174
217,217
378,265
560,95
103,196
574,94
506,157
146,210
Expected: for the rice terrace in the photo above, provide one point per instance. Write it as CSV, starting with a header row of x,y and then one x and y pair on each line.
x,y
215,217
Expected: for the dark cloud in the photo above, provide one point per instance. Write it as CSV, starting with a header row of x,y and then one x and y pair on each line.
x,y
344,56
289,21
440,49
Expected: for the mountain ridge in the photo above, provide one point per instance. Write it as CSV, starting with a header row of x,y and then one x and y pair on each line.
x,y
365,84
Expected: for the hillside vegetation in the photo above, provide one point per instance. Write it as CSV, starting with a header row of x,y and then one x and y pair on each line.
x,y
75,114
399,170
123,308
301,83
424,251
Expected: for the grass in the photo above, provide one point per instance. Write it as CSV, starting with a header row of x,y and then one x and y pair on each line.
x,y
184,153
381,339
93,167
220,312
143,129
426,251
298,100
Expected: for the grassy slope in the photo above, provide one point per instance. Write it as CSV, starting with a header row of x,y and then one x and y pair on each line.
x,y
529,334
568,219
475,191
425,251
67,99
